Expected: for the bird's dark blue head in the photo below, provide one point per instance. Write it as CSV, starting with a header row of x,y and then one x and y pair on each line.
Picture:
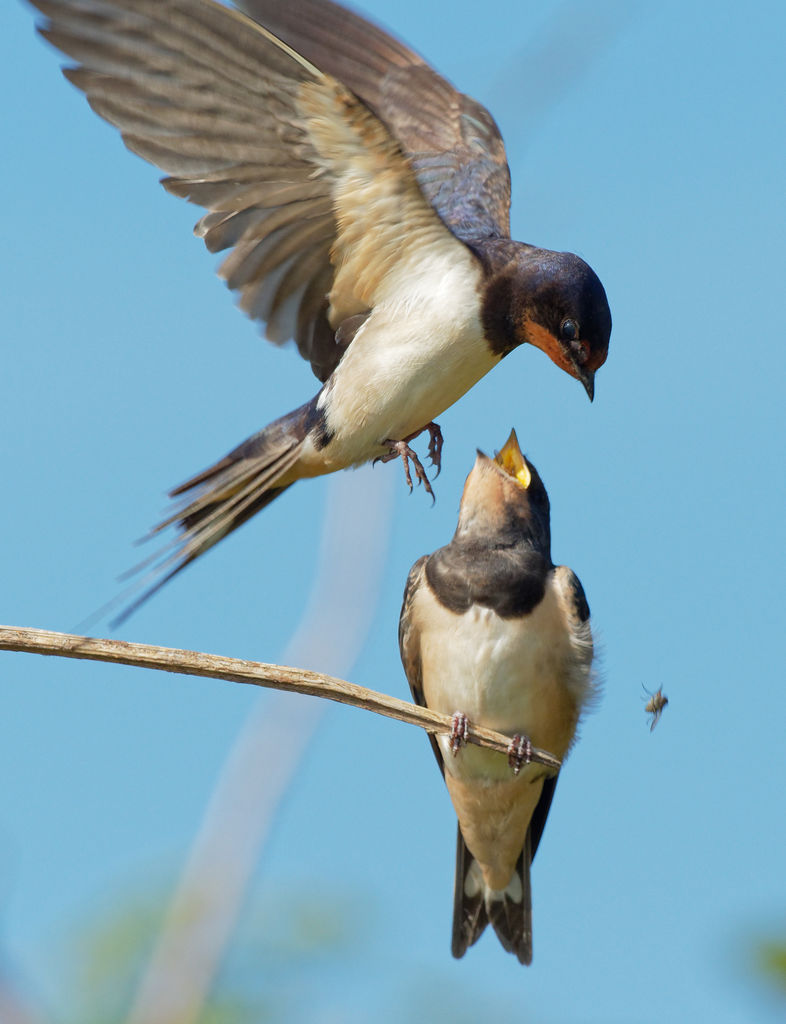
x,y
553,300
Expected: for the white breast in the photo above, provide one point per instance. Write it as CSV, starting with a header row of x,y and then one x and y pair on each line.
x,y
420,350
512,675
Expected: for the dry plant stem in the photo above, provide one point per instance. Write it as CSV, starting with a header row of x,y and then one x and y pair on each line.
x,y
236,670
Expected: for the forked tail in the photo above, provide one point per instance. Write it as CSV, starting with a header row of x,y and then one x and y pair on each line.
x,y
221,498
475,905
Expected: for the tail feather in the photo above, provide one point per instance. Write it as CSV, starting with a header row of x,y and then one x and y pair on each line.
x,y
223,497
508,911
469,907
268,444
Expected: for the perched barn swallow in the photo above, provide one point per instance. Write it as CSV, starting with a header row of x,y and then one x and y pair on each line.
x,y
493,633
366,206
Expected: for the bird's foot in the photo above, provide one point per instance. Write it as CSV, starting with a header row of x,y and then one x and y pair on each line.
x,y
435,446
459,731
435,443
519,753
400,449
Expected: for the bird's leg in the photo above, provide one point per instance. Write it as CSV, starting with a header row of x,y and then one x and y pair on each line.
x,y
459,731
400,449
519,752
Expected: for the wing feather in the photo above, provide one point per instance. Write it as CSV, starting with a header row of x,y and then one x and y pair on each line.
x,y
307,187
454,144
409,646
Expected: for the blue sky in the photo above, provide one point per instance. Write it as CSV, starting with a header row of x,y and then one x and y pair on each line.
x,y
646,137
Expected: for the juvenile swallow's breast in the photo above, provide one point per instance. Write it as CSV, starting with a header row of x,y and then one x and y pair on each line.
x,y
514,675
518,676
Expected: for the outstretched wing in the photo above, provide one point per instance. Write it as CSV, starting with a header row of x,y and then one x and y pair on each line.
x,y
453,143
304,184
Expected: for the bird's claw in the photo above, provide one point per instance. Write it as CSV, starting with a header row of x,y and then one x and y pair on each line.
x,y
435,447
519,752
400,449
459,731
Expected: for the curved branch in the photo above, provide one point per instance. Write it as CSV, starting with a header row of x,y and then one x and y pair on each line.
x,y
237,670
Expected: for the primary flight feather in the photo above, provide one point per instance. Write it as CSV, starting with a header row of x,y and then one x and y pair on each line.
x,y
365,203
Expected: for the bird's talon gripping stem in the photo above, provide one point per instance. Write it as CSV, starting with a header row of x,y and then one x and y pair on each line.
x,y
459,731
400,449
519,753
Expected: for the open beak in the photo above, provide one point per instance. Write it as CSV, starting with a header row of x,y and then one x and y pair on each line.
x,y
513,462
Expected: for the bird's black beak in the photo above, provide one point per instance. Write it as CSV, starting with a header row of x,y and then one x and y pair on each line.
x,y
587,378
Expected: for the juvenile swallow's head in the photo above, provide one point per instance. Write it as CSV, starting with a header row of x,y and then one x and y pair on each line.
x,y
504,501
552,300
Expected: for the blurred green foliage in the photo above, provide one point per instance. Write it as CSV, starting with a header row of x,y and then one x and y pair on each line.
x,y
107,955
771,960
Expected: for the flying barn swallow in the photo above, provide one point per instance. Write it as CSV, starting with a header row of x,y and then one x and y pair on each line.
x,y
493,633
366,206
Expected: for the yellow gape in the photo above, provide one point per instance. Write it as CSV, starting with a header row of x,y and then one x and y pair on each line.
x,y
512,461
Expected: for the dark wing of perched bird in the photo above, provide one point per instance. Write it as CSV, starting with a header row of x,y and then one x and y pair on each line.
x,y
260,136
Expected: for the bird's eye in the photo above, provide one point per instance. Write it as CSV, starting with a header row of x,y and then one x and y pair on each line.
x,y
569,329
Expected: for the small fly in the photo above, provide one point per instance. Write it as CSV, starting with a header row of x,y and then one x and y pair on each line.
x,y
655,705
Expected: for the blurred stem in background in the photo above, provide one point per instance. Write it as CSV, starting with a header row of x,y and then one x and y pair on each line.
x,y
263,761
